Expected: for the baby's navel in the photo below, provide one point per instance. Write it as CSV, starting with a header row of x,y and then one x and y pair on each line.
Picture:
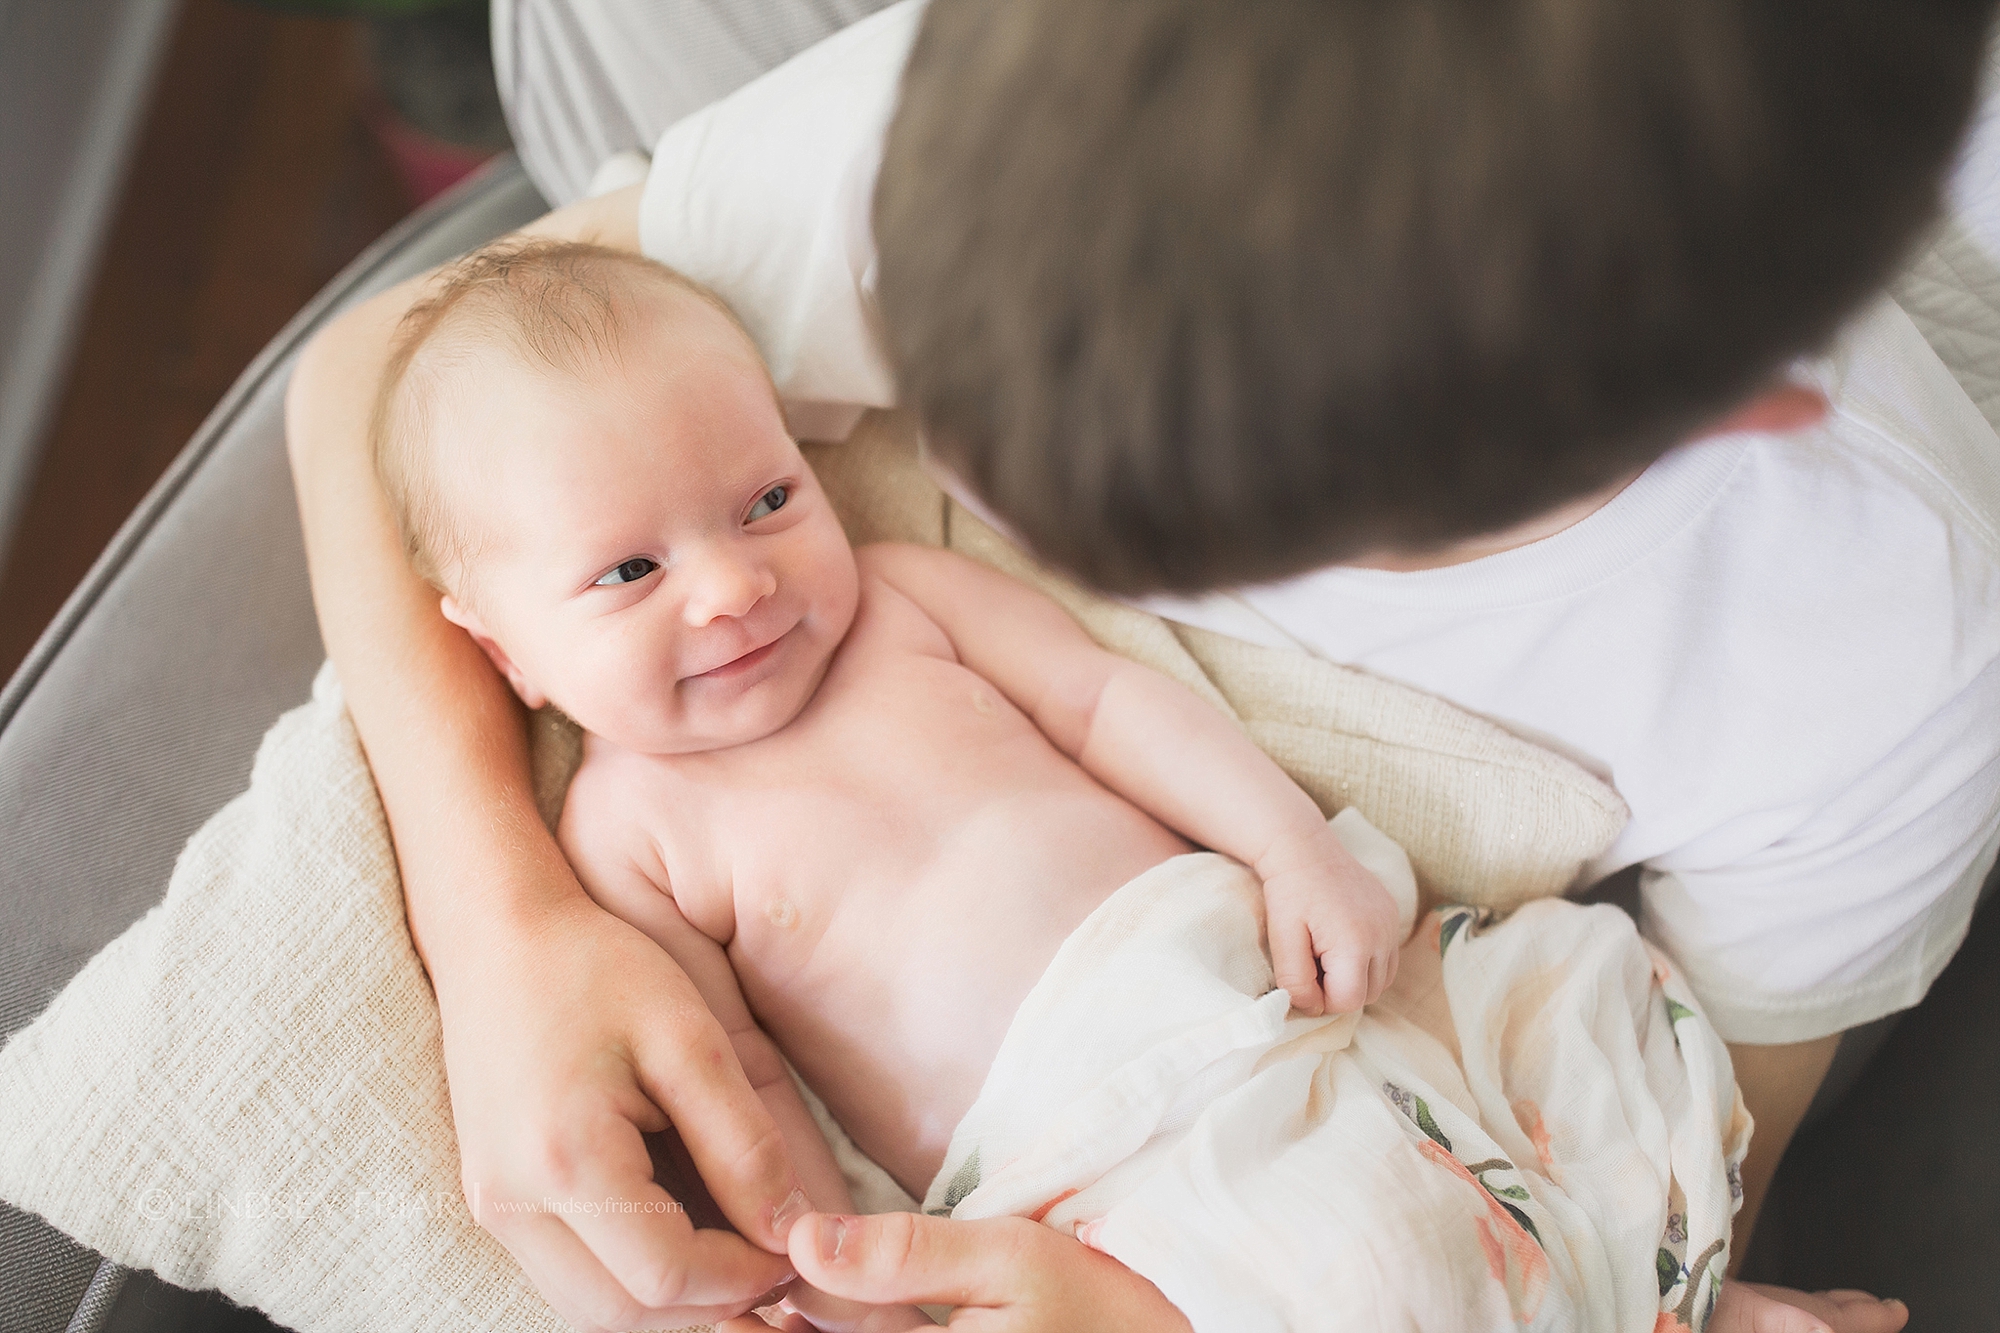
x,y
982,702
782,914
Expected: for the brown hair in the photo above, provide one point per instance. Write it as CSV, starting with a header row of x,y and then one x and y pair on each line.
x,y
556,305
1205,292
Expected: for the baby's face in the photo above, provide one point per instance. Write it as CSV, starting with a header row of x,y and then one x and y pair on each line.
x,y
649,550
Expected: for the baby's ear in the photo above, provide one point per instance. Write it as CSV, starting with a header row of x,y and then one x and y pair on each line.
x,y
468,620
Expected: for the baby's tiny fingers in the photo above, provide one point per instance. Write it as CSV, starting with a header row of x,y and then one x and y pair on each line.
x,y
1294,968
1305,996
1346,983
1385,968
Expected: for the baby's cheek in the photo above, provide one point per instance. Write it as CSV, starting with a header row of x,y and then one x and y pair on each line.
x,y
632,708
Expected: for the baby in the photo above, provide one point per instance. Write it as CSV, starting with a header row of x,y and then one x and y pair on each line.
x,y
862,798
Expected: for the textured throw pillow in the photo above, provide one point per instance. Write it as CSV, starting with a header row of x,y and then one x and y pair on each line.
x,y
246,1091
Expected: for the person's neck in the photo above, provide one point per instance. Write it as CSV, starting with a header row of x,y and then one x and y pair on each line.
x,y
1780,407
1536,529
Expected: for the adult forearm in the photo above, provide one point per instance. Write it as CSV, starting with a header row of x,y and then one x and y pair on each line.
x,y
567,1034
442,732
1778,1084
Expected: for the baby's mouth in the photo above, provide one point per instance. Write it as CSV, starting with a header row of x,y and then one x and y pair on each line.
x,y
742,663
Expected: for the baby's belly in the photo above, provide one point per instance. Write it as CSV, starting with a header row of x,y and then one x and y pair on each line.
x,y
890,989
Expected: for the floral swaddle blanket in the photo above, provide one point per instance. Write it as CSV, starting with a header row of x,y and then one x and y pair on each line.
x,y
1533,1128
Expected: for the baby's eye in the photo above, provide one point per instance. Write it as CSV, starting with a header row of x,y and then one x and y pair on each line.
x,y
770,502
630,572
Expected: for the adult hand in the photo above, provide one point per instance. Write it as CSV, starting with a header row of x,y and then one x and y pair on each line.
x,y
1752,1307
567,1034
1008,1275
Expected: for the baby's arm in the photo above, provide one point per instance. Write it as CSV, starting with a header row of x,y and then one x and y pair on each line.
x,y
618,885
1333,927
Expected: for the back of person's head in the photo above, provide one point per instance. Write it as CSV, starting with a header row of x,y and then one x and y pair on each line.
x,y
1204,292
559,308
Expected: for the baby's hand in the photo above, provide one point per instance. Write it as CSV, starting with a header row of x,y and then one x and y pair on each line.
x,y
1333,928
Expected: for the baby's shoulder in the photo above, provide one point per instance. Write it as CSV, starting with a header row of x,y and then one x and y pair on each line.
x,y
897,579
610,798
897,562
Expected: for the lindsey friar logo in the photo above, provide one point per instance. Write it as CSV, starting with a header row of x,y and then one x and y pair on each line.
x,y
283,1206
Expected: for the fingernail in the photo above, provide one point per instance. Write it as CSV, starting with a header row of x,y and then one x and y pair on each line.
x,y
784,1283
832,1236
794,1207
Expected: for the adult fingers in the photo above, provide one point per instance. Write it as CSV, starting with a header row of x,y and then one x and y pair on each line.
x,y
907,1259
564,1270
689,1068
1785,1310
642,1235
559,1264
1007,1275
1779,1318
754,1322
1846,1296
1862,1313
591,1181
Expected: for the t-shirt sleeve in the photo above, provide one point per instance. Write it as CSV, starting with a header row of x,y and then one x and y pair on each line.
x,y
1853,912
765,197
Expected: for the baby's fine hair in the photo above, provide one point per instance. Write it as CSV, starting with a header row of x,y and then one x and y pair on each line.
x,y
559,306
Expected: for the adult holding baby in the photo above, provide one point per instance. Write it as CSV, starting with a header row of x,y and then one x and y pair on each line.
x,y
1413,319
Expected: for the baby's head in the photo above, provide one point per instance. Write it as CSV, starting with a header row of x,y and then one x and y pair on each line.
x,y
586,457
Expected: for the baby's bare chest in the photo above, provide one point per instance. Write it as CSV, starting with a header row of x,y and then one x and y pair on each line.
x,y
904,738
905,770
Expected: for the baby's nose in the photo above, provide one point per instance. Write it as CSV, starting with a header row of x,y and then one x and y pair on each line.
x,y
726,585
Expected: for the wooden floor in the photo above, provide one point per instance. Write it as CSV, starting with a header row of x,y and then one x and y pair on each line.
x,y
254,180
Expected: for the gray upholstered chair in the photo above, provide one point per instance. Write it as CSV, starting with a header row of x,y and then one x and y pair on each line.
x,y
137,714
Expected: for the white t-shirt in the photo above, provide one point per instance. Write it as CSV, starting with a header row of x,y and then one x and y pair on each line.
x,y
1783,651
